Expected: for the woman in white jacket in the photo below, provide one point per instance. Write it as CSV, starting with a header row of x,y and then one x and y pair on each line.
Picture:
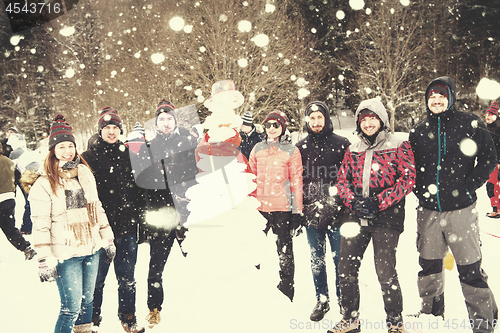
x,y
69,227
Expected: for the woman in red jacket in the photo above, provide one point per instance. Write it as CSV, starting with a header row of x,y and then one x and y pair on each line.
x,y
278,166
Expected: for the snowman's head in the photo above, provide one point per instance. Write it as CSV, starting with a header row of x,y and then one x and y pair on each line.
x,y
224,97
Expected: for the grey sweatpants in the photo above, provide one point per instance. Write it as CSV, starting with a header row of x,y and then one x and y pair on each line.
x,y
457,230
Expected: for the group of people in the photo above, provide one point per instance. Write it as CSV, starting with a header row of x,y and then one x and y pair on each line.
x,y
93,209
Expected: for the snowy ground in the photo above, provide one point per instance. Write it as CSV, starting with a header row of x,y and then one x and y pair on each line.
x,y
216,288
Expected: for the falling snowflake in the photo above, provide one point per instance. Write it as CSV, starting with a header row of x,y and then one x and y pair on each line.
x,y
157,58
67,31
244,26
261,40
176,23
468,147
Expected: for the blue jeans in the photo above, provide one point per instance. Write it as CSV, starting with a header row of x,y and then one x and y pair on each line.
x,y
317,243
76,283
124,265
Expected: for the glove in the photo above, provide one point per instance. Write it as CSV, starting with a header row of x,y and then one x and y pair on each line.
x,y
110,252
47,272
366,208
295,221
180,233
29,253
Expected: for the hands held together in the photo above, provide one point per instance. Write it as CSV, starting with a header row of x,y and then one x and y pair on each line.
x,y
366,208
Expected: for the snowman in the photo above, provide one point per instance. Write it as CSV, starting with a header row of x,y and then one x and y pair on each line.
x,y
224,181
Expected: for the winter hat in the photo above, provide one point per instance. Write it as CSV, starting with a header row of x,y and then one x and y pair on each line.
x,y
280,117
109,116
225,92
367,113
247,119
197,129
493,109
60,131
167,107
139,129
318,106
438,89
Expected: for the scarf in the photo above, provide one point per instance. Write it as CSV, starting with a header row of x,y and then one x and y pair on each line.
x,y
82,201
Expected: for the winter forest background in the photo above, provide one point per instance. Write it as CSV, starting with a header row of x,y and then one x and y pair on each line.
x,y
282,54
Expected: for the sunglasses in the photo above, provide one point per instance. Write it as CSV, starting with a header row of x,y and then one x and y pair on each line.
x,y
275,125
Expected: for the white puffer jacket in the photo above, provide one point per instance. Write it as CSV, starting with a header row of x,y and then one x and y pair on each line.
x,y
53,232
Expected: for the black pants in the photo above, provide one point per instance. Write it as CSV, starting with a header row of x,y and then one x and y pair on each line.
x,y
279,222
160,245
385,241
8,225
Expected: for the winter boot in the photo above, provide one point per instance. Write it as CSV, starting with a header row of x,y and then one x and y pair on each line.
x,y
129,323
319,310
82,328
346,326
493,215
153,317
437,308
96,321
396,329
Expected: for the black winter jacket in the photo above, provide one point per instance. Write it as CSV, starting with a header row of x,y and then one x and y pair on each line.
x,y
166,168
248,141
322,155
122,199
454,155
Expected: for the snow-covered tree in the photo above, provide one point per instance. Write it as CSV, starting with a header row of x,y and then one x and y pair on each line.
x,y
178,50
385,48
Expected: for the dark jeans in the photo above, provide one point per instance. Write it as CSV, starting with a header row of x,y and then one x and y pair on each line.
x,y
280,225
317,243
27,225
8,225
385,241
124,265
160,245
76,284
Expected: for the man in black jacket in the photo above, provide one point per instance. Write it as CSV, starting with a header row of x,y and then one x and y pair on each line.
x,y
454,156
249,135
322,152
166,168
123,202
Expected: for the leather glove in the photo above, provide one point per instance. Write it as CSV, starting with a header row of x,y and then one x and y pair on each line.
x,y
110,252
47,272
29,253
366,208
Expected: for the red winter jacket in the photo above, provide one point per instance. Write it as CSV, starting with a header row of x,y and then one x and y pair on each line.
x,y
278,167
391,174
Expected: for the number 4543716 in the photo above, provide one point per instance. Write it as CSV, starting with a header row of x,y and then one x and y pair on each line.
x,y
33,8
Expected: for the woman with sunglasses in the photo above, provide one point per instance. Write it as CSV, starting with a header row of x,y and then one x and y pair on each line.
x,y
277,164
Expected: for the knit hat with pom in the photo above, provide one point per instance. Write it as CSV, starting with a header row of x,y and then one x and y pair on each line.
x,y
493,109
60,131
109,116
280,117
167,107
